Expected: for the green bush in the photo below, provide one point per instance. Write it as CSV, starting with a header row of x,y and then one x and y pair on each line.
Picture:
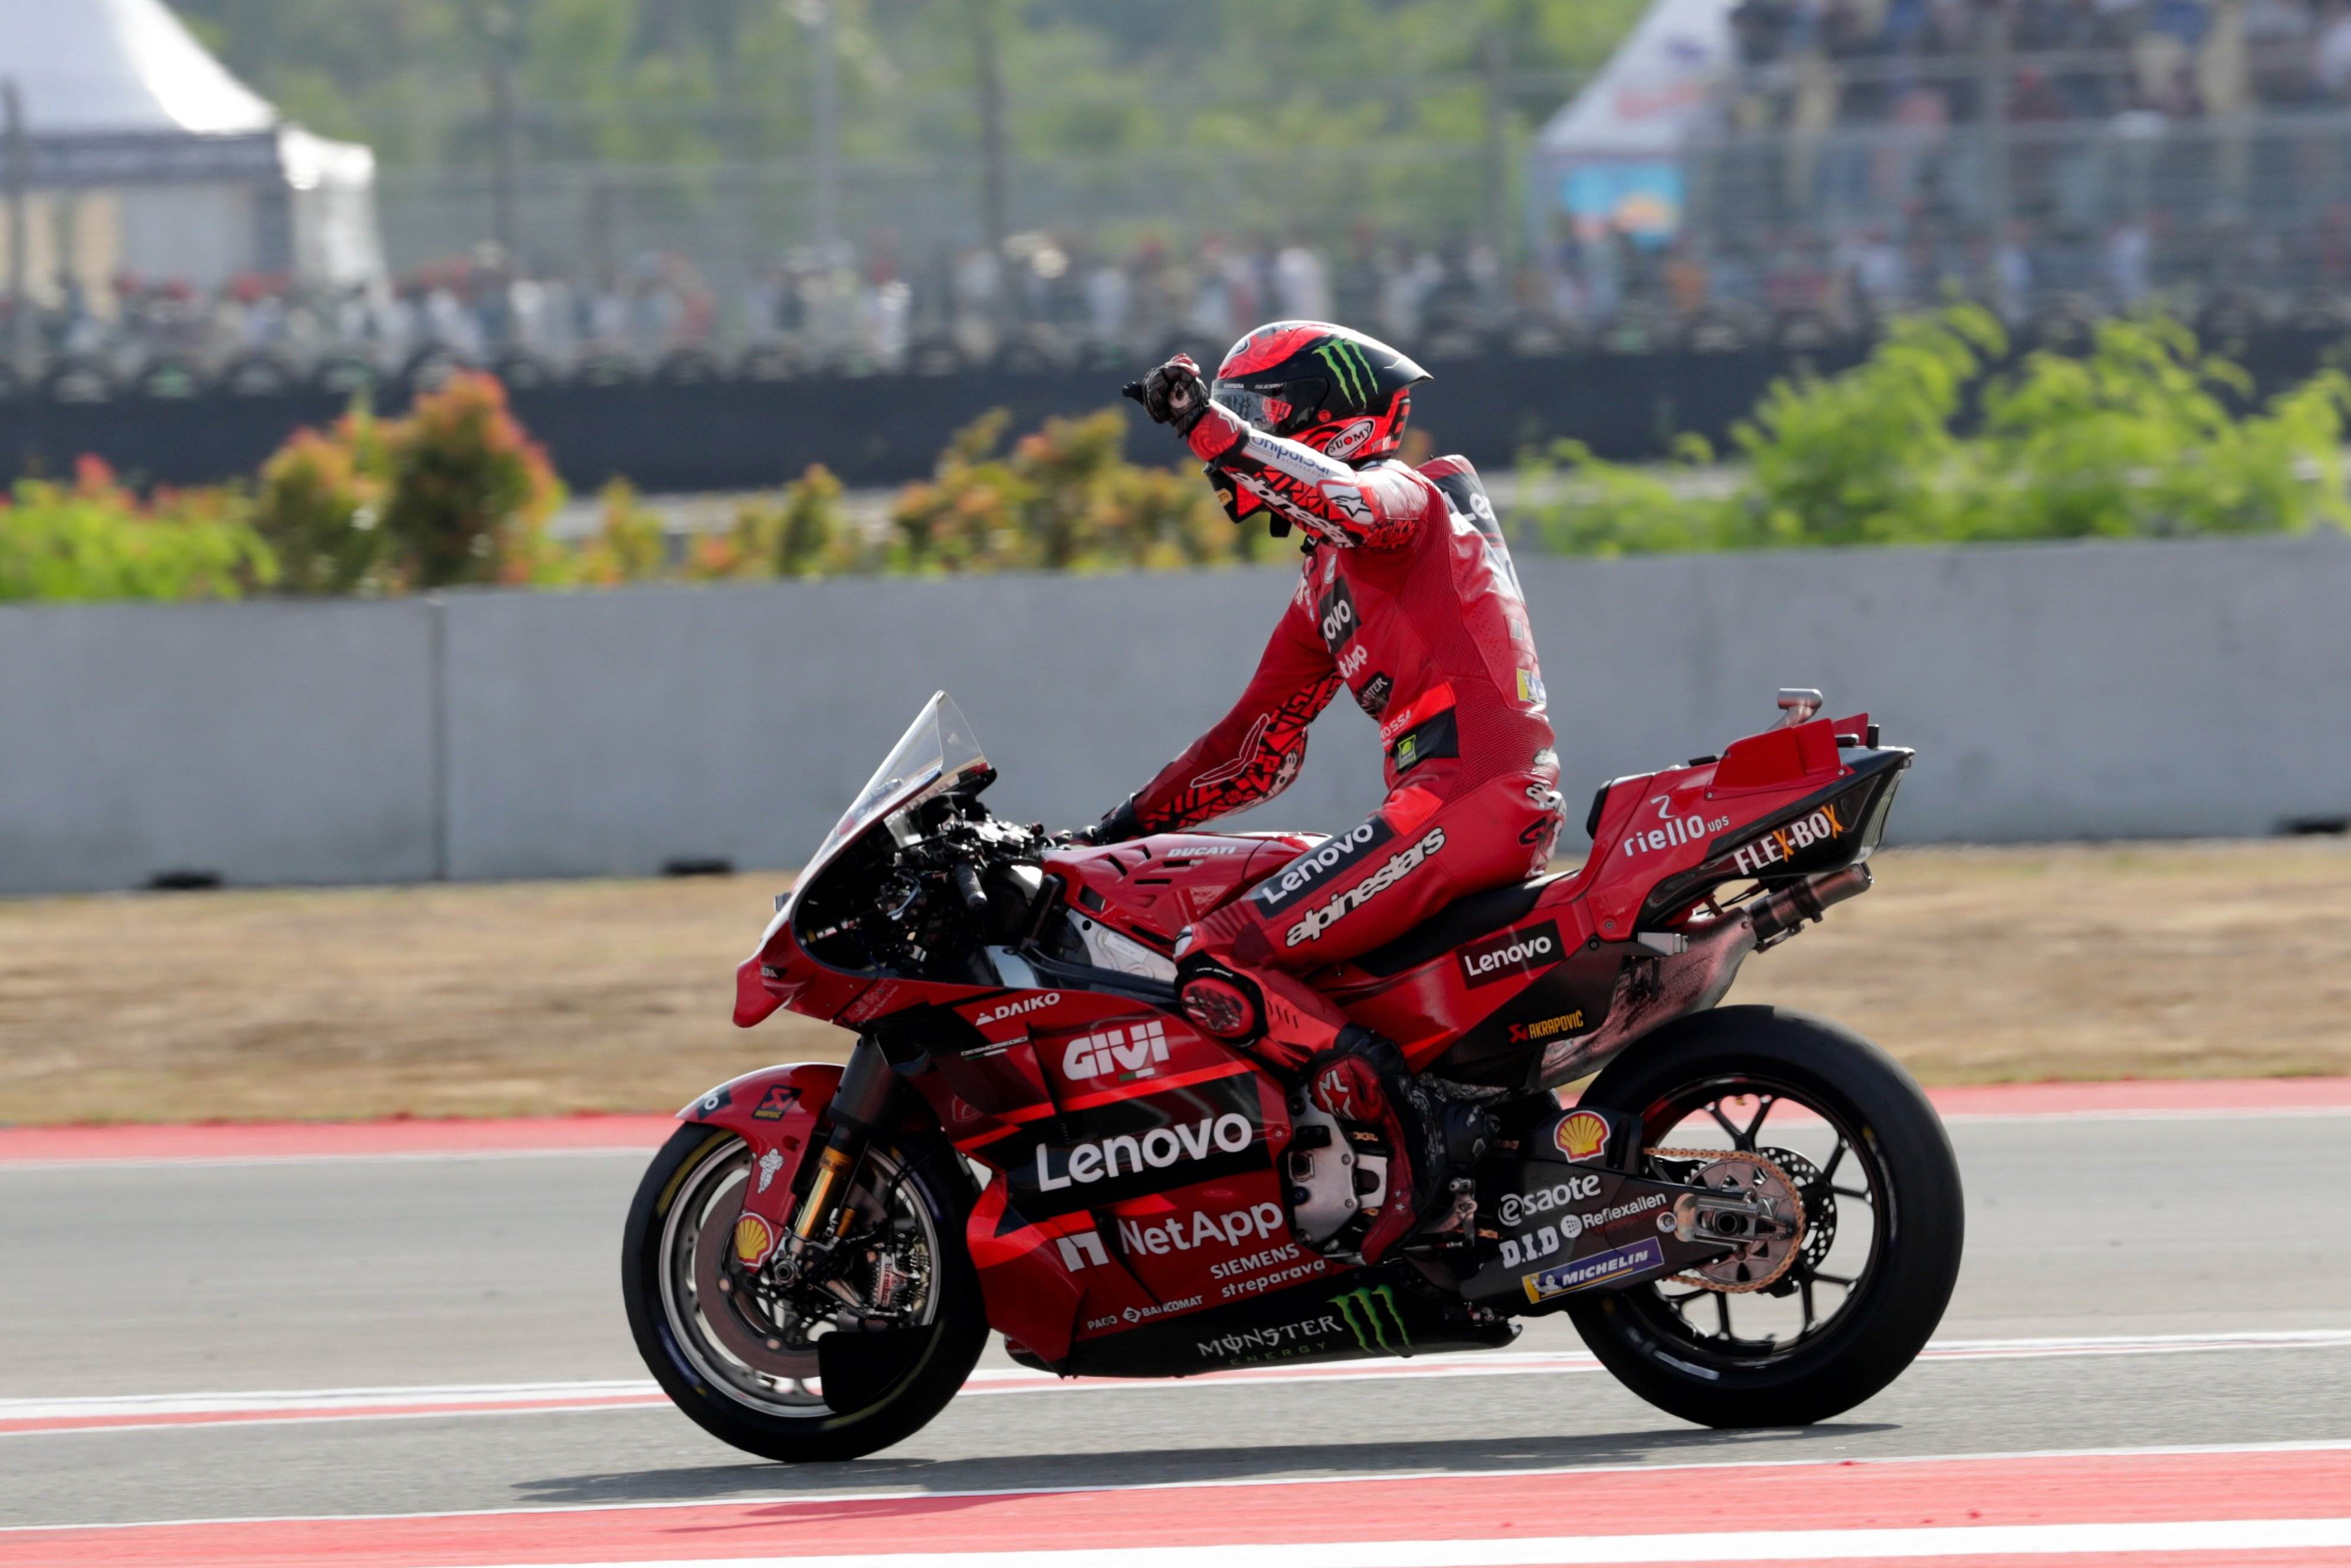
x,y
469,494
93,540
317,507
809,533
1064,498
631,545
2137,438
2144,436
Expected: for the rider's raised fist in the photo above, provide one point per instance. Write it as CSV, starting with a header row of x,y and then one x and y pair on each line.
x,y
1175,394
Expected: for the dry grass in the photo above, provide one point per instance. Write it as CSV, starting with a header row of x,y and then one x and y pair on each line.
x,y
1972,964
2198,960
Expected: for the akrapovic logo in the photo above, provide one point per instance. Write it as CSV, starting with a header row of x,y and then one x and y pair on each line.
x,y
1131,1051
1512,953
1315,922
1300,876
1014,1009
1100,1160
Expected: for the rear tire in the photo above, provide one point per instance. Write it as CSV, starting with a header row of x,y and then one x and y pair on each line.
x,y
713,1386
1913,1261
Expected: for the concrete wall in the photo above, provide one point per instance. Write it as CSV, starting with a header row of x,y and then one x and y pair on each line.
x,y
274,742
2052,691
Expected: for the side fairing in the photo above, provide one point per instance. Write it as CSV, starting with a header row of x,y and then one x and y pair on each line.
x,y
1152,888
1482,1010
1132,1206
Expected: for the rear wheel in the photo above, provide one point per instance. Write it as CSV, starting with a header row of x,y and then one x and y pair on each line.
x,y
744,1354
1808,1113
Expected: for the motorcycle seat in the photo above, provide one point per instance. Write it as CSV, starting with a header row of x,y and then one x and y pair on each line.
x,y
1462,920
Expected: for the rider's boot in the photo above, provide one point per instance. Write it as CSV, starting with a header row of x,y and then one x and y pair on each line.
x,y
1363,1078
1351,1073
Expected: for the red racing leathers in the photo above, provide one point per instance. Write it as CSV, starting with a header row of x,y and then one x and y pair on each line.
x,y
1408,597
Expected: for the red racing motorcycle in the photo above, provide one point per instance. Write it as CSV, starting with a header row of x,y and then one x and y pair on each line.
x,y
1751,1217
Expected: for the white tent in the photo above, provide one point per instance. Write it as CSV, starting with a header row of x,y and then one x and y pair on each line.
x,y
148,156
1612,156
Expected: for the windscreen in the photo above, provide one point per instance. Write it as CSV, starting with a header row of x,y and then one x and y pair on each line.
x,y
936,753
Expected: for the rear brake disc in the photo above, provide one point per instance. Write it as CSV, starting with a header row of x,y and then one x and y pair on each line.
x,y
1758,1263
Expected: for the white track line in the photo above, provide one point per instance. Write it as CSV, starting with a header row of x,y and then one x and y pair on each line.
x,y
832,1499
2235,1535
153,1412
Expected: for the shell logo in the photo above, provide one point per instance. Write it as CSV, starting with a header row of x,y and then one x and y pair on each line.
x,y
1582,1135
752,1240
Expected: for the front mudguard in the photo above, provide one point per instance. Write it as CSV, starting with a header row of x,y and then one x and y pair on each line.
x,y
780,1113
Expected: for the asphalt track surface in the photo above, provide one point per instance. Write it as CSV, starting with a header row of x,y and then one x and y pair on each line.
x,y
397,1349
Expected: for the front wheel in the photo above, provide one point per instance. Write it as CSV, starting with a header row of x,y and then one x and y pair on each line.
x,y
1816,1119
745,1357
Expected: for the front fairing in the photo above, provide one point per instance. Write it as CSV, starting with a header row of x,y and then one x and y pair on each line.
x,y
936,753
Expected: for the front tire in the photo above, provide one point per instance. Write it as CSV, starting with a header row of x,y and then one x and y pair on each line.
x,y
754,1381
1675,1342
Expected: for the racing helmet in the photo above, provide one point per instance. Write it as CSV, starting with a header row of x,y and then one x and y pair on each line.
x,y
1340,392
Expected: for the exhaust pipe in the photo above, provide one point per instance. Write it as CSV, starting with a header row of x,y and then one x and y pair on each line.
x,y
1781,914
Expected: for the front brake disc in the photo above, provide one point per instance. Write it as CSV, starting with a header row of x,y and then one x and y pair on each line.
x,y
740,1317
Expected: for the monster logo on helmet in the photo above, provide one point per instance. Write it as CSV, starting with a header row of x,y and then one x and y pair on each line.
x,y
1328,386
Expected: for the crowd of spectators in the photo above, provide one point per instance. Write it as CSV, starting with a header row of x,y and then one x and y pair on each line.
x,y
1036,301
1042,303
1810,64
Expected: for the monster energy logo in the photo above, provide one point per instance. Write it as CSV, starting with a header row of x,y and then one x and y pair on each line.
x,y
1362,1309
1350,369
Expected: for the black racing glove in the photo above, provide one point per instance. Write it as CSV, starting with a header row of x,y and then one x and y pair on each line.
x,y
1118,824
1173,394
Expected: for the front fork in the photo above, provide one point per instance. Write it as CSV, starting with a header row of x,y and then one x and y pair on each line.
x,y
860,1108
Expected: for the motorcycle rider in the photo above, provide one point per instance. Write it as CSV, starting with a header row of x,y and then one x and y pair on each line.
x,y
1408,597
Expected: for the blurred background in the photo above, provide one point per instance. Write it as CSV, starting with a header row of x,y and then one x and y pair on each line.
x,y
474,441
762,188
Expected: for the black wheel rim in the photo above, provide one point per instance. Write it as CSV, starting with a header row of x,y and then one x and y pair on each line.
x,y
1849,1206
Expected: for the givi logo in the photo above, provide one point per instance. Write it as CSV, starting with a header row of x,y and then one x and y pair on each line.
x,y
1131,1051
1518,952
